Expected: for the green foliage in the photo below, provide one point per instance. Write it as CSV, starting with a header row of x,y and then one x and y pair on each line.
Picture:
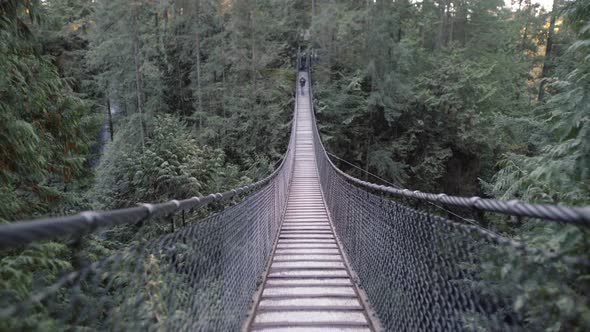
x,y
432,95
440,99
555,170
410,116
43,130
36,267
170,166
215,101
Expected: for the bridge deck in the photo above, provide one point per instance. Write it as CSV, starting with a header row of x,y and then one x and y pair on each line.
x,y
308,286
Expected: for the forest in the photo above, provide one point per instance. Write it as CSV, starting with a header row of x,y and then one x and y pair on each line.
x,y
108,103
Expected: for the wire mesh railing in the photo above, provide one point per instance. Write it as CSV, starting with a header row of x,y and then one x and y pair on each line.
x,y
424,272
146,268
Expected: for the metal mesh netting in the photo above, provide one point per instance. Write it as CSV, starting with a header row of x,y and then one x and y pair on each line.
x,y
423,272
411,265
200,277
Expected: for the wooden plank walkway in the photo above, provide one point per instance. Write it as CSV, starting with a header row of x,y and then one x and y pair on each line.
x,y
308,286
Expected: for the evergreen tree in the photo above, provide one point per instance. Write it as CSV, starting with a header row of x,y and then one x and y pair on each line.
x,y
43,127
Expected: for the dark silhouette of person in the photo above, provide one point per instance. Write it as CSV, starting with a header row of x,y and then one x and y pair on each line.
x,y
302,83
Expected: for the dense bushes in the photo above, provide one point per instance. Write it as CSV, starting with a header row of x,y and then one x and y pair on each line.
x,y
170,165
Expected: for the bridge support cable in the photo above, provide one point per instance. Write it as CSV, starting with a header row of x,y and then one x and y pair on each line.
x,y
161,274
424,272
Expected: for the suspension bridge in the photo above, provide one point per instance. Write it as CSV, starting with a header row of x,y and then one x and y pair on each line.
x,y
309,248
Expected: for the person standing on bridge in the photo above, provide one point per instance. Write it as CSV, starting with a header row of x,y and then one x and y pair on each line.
x,y
302,83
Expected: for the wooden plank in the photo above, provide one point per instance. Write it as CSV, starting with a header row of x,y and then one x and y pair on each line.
x,y
308,284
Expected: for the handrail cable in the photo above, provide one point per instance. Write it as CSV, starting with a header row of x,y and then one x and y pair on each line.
x,y
27,231
399,187
537,251
528,210
23,232
568,214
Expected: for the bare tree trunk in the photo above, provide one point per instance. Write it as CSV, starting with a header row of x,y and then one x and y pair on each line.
x,y
199,88
110,115
166,19
198,55
223,81
161,32
526,31
451,27
370,124
548,49
443,24
253,50
138,78
223,78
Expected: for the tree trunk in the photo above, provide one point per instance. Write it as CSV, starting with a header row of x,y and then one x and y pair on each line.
x,y
370,124
223,83
439,37
451,28
253,51
198,58
548,49
367,152
526,31
110,115
442,33
138,78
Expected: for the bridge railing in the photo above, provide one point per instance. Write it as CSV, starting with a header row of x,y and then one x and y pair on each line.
x,y
424,272
150,267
